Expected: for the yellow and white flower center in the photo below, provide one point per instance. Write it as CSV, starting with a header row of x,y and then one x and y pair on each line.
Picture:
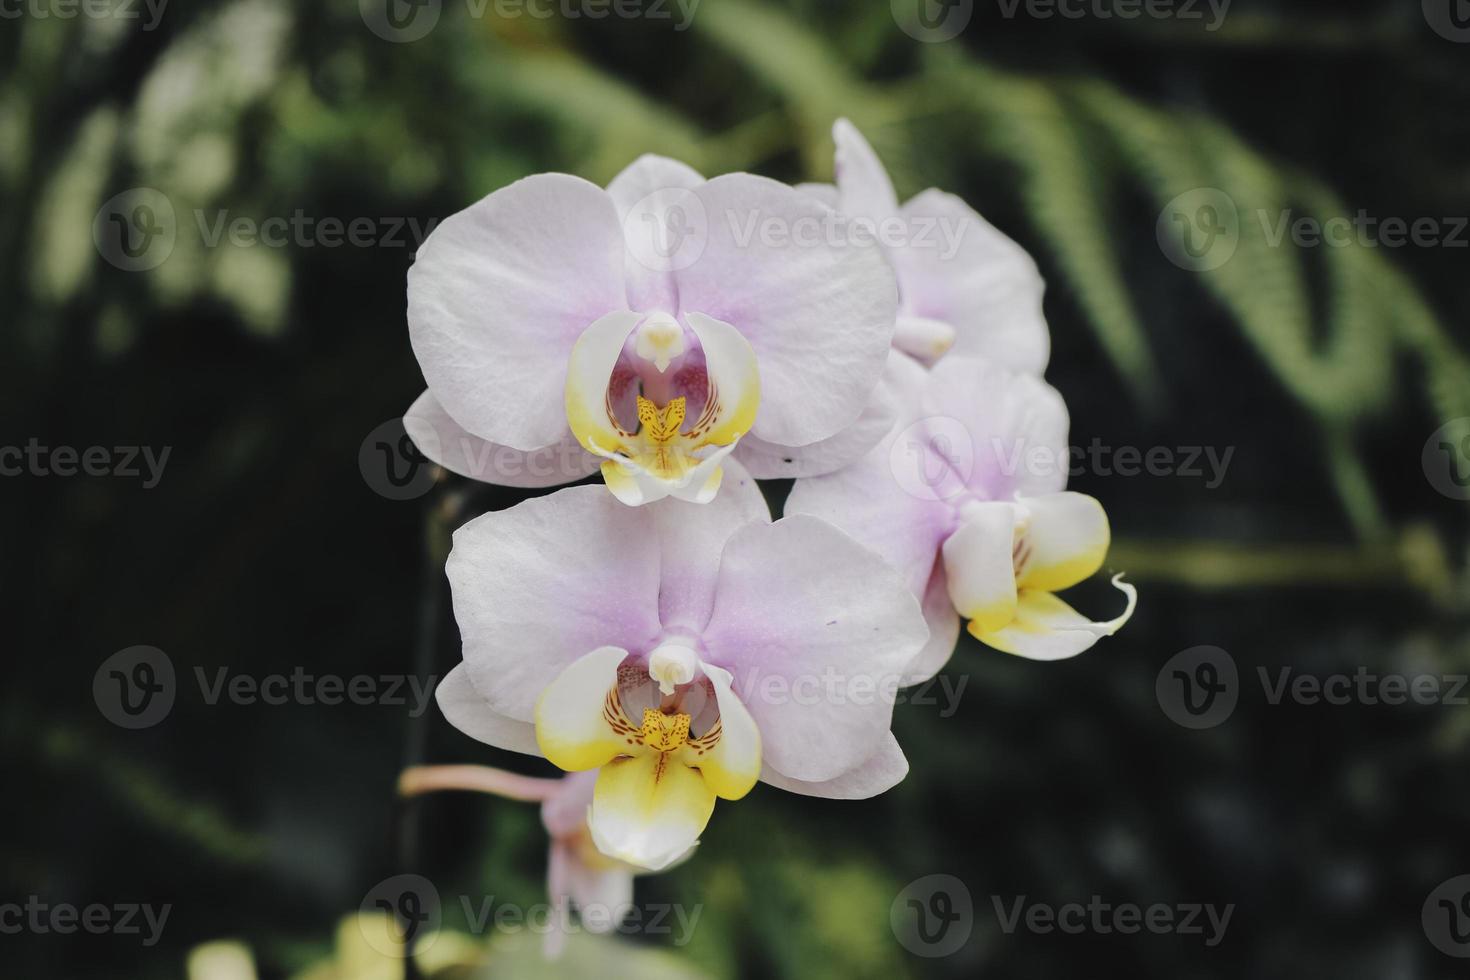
x,y
659,777
663,399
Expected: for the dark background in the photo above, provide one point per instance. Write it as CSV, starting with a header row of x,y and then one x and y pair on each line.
x,y
265,547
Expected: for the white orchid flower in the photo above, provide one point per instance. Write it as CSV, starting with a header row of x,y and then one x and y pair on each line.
x,y
966,498
963,285
682,652
643,330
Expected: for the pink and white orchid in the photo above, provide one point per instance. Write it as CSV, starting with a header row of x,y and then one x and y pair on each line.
x,y
966,498
962,283
679,651
641,329
578,875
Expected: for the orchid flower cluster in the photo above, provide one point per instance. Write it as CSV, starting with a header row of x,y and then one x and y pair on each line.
x,y
686,338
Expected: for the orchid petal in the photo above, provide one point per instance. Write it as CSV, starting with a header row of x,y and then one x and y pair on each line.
x,y
828,194
500,292
648,809
691,538
801,601
1046,628
880,772
771,461
588,371
570,725
819,314
733,766
862,179
944,629
1066,540
976,280
445,442
1016,425
980,567
649,174
466,709
871,502
537,586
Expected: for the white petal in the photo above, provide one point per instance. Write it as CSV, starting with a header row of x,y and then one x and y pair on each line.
x,y
869,501
537,586
772,461
1066,540
647,175
801,605
589,368
818,309
862,180
944,629
691,537
879,773
826,193
1046,628
570,725
466,709
732,767
979,564
649,810
1015,426
971,276
501,291
446,443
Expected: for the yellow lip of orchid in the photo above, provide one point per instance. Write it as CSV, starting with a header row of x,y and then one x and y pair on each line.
x,y
1008,558
658,778
665,452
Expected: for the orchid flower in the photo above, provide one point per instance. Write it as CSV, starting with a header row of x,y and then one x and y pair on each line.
x,y
965,497
577,874
962,283
679,652
643,330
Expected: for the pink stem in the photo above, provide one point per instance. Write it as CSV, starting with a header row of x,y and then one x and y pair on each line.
x,y
479,779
